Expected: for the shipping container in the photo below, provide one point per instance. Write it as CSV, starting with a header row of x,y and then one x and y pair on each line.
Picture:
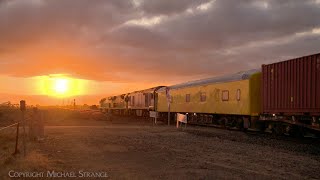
x,y
292,87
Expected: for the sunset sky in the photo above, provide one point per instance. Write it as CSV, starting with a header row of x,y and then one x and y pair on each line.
x,y
109,47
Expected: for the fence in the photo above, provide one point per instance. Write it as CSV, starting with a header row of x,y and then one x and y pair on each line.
x,y
16,149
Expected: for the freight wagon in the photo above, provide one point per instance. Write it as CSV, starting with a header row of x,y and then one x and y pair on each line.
x,y
291,93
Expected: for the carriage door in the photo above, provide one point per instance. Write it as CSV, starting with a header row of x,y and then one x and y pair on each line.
x,y
146,100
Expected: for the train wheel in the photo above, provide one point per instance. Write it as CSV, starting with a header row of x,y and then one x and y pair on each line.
x,y
278,129
223,122
231,123
234,122
239,124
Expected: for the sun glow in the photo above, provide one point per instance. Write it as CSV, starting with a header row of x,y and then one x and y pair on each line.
x,y
62,86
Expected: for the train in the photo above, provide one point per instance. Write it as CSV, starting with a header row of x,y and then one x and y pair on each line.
x,y
282,97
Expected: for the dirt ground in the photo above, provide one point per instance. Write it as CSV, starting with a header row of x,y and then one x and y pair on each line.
x,y
134,149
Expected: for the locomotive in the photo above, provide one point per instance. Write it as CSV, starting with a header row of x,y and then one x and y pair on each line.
x,y
283,97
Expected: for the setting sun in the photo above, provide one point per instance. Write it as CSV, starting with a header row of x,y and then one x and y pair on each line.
x,y
61,85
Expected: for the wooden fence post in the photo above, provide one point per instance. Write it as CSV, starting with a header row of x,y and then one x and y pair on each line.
x,y
16,151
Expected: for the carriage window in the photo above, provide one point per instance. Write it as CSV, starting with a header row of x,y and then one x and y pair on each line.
x,y
187,97
203,97
238,94
225,95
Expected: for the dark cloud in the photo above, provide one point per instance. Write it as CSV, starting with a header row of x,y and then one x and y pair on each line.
x,y
233,22
138,36
120,40
28,21
168,7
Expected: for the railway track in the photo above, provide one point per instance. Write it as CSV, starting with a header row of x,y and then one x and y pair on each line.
x,y
249,131
257,132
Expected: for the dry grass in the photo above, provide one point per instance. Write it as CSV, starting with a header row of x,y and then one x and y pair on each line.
x,y
7,143
33,162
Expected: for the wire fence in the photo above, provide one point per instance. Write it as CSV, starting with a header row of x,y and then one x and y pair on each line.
x,y
9,138
19,128
13,135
